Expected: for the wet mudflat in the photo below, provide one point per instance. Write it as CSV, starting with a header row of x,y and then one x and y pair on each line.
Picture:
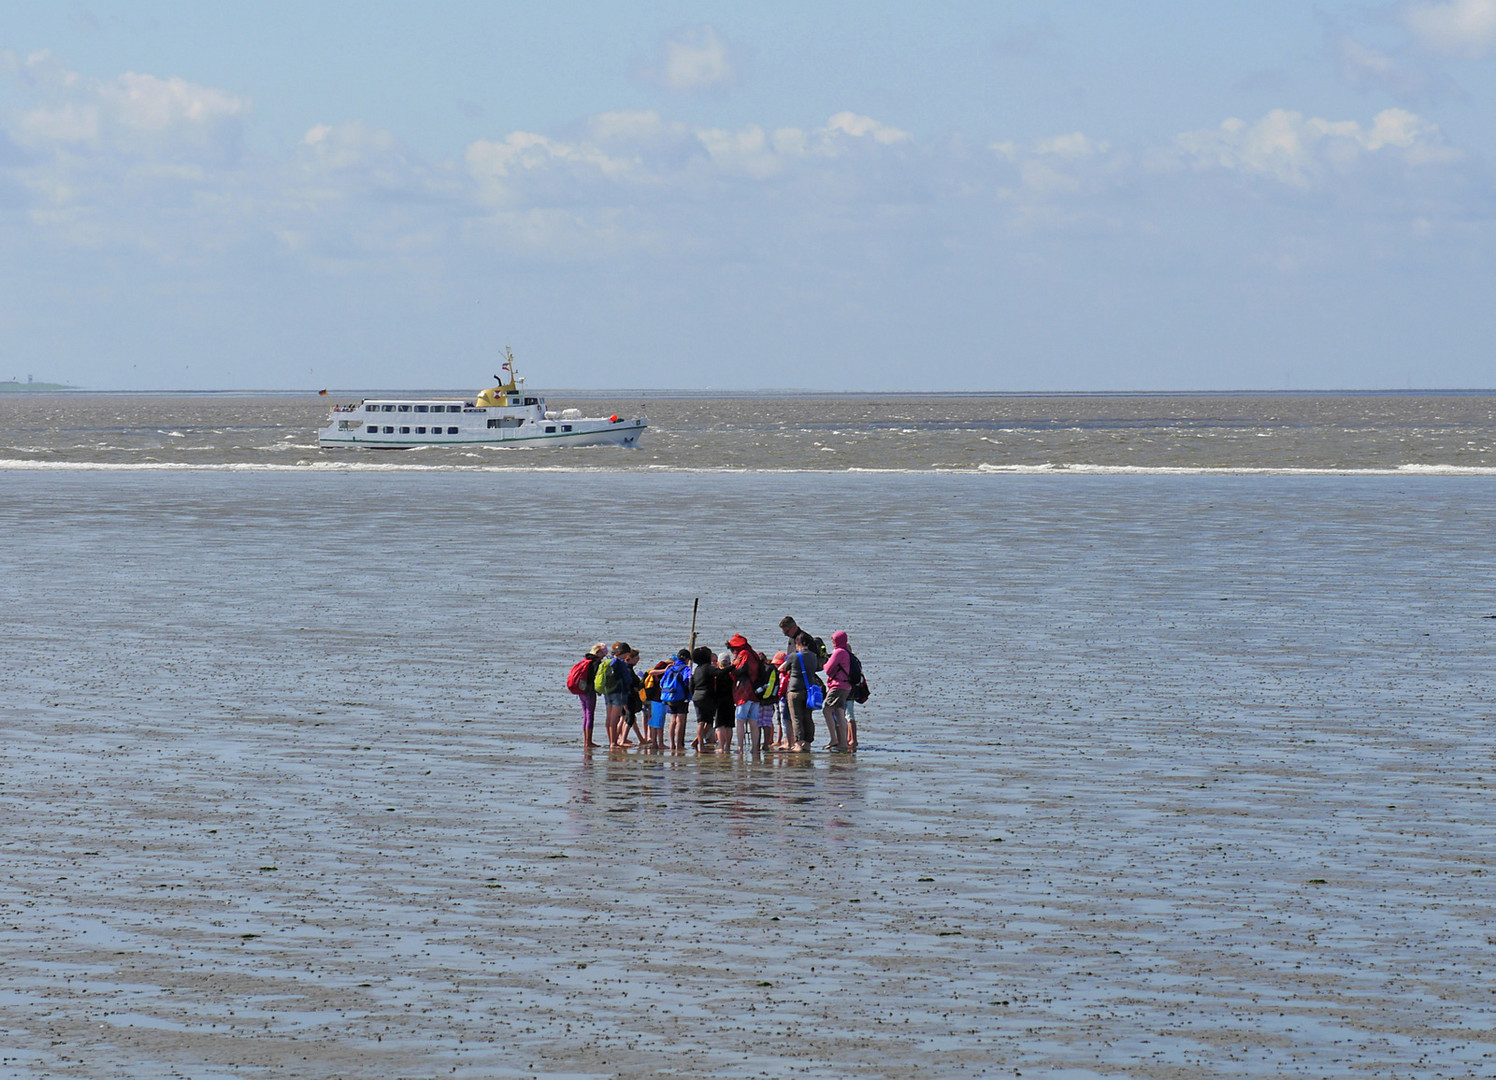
x,y
1162,777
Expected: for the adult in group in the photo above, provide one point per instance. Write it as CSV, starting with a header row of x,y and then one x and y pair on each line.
x,y
704,697
838,685
799,670
616,681
744,667
792,631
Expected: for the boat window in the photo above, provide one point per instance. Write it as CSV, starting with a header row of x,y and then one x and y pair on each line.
x,y
405,408
405,431
371,408
532,401
420,431
389,430
387,408
550,428
565,427
421,408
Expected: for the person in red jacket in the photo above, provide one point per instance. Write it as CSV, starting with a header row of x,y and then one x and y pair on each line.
x,y
744,668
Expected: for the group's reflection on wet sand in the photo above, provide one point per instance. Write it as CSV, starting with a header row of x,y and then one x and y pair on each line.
x,y
746,795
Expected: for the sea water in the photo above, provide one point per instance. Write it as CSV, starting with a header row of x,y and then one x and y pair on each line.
x,y
1163,773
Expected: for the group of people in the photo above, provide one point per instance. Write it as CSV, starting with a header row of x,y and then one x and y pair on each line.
x,y
741,697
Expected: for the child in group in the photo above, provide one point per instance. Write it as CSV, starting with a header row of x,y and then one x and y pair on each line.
x,y
636,700
580,681
781,705
763,733
726,707
675,691
656,704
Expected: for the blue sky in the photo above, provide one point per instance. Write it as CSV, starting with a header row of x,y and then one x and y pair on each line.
x,y
858,196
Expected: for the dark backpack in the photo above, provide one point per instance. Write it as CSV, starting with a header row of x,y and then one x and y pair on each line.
x,y
768,690
860,691
762,672
579,678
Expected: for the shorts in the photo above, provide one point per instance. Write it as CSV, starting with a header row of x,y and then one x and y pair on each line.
x,y
617,701
706,713
678,708
836,697
726,715
746,713
765,714
657,714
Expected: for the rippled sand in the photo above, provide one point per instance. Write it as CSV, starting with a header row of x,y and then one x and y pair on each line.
x,y
1162,778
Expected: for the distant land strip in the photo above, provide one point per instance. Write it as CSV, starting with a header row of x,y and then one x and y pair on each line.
x,y
12,386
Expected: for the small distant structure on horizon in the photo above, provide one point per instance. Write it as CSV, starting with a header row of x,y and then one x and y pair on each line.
x,y
15,385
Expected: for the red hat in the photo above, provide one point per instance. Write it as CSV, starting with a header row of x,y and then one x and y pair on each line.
x,y
737,641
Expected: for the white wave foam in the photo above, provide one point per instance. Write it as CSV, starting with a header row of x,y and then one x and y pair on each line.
x,y
984,469
1060,469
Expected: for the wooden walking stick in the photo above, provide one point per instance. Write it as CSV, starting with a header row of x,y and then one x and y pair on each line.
x,y
694,604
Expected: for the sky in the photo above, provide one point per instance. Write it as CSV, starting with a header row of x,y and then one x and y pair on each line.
x,y
1073,195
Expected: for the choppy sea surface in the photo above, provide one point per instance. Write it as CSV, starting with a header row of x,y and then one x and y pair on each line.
x,y
1178,762
1280,432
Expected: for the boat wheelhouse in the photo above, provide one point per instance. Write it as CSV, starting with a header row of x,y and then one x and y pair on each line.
x,y
502,415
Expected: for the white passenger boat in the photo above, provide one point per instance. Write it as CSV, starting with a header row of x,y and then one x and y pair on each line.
x,y
502,415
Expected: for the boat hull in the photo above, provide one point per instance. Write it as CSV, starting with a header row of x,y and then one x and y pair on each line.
x,y
624,433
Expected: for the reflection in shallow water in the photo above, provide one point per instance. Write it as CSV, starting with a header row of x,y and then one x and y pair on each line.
x,y
743,794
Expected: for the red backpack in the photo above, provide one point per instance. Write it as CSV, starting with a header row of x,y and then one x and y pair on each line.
x,y
579,678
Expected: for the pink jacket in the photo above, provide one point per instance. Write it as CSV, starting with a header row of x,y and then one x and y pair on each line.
x,y
838,669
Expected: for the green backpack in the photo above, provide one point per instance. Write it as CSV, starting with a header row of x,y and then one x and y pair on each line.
x,y
606,679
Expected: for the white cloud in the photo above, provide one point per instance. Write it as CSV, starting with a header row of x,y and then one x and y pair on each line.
x,y
1364,66
351,145
694,61
134,112
1457,28
858,127
1295,150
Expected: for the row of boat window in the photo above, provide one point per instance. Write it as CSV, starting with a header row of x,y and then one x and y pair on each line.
x,y
374,429
412,408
